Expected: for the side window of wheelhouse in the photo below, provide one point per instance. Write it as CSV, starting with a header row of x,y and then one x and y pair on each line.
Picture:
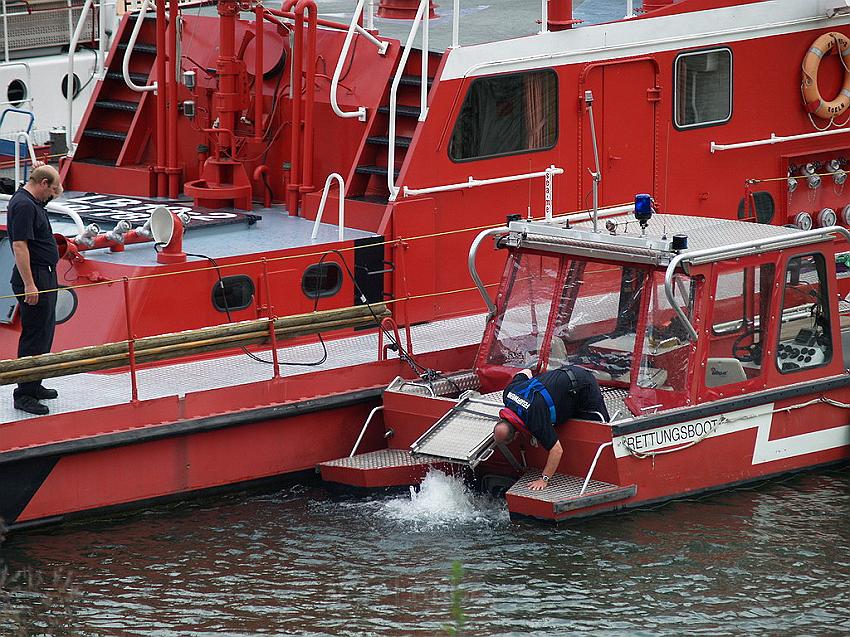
x,y
739,323
703,88
507,114
805,339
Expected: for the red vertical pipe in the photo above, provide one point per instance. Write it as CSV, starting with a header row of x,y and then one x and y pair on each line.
x,y
310,95
171,71
272,333
131,343
159,169
295,153
228,86
258,74
560,15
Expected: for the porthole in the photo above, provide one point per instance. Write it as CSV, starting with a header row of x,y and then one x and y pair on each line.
x,y
233,293
66,304
322,279
16,93
77,86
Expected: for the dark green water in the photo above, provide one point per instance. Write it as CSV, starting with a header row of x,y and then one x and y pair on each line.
x,y
770,560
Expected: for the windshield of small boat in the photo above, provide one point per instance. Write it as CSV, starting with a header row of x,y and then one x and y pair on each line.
x,y
521,325
597,318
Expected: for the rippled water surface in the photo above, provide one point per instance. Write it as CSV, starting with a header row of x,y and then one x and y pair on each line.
x,y
768,560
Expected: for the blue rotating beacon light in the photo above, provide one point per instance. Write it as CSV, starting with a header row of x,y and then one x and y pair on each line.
x,y
644,209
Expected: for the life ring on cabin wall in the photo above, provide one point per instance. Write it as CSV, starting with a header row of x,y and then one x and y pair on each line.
x,y
832,42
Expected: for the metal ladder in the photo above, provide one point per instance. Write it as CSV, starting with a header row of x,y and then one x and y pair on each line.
x,y
464,435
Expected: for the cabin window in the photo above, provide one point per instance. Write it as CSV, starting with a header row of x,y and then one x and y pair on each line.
x,y
233,293
805,338
703,94
666,345
597,319
66,304
321,280
522,325
740,318
507,114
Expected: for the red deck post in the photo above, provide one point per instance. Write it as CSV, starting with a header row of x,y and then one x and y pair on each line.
x,y
131,343
172,169
310,93
258,73
159,169
403,245
295,152
272,317
560,15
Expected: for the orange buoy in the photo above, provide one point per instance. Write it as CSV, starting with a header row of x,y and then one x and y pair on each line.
x,y
828,43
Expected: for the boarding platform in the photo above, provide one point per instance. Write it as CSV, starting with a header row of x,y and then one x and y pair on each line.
x,y
562,497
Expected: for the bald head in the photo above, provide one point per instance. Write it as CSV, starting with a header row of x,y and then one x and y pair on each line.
x,y
503,432
44,183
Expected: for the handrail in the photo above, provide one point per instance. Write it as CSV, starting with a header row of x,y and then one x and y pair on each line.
x,y
473,250
423,10
131,43
360,113
72,48
374,411
776,139
475,183
739,249
456,24
610,443
59,208
26,137
341,214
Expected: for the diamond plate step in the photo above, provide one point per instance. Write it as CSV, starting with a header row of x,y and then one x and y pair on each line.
x,y
105,134
562,498
118,105
401,111
378,469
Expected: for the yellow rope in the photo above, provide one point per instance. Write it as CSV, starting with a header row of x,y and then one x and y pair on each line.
x,y
240,264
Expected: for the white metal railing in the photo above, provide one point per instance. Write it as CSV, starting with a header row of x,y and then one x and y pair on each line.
x,y
21,135
72,47
128,52
422,12
360,113
630,9
456,24
776,139
372,413
590,471
547,174
544,17
341,211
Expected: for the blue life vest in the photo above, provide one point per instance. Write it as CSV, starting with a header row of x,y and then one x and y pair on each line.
x,y
520,397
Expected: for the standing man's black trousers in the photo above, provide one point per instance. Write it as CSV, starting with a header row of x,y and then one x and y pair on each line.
x,y
38,322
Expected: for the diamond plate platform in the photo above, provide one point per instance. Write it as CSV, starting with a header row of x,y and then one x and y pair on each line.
x,y
379,469
561,498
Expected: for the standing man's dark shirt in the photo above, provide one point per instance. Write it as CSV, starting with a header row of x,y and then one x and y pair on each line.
x,y
27,220
581,399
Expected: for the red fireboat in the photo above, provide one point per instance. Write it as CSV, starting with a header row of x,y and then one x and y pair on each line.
x,y
268,214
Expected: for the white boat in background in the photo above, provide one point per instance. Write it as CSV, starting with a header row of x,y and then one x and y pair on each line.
x,y
35,37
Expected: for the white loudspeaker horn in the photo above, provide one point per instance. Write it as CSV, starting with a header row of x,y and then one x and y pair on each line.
x,y
167,230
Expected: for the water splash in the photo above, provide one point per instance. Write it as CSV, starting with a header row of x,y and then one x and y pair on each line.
x,y
443,500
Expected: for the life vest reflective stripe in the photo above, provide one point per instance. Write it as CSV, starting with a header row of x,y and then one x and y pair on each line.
x,y
520,397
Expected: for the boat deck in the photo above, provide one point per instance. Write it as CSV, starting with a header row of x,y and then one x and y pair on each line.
x,y
88,391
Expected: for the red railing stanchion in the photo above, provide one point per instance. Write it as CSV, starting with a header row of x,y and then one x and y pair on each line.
x,y
131,343
272,317
403,246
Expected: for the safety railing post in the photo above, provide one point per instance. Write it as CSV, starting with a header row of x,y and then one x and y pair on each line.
x,y
31,151
423,88
341,209
131,343
544,19
402,246
456,24
72,48
272,319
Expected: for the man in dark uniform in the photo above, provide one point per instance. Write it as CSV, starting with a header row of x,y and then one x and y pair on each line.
x,y
536,405
36,256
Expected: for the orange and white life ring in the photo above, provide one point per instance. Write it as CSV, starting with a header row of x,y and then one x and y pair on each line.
x,y
832,42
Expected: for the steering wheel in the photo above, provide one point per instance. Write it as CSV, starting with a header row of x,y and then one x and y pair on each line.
x,y
750,352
